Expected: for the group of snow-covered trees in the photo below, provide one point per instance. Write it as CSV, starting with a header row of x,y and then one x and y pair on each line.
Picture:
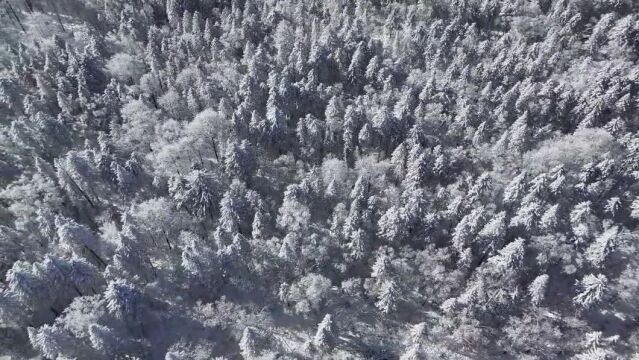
x,y
369,179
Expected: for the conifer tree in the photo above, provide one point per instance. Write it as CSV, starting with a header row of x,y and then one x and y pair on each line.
x,y
326,335
388,298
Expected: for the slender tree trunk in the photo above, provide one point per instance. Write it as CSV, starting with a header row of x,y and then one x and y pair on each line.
x,y
199,155
57,14
166,237
80,189
154,101
77,290
96,255
97,198
10,9
215,150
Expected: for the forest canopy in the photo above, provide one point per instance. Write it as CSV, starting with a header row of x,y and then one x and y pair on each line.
x,y
310,179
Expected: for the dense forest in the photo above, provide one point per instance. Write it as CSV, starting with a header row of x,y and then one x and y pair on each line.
x,y
308,179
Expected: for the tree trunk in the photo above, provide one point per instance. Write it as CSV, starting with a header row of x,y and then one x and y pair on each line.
x,y
168,242
96,255
79,189
57,14
215,150
77,290
10,9
154,101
